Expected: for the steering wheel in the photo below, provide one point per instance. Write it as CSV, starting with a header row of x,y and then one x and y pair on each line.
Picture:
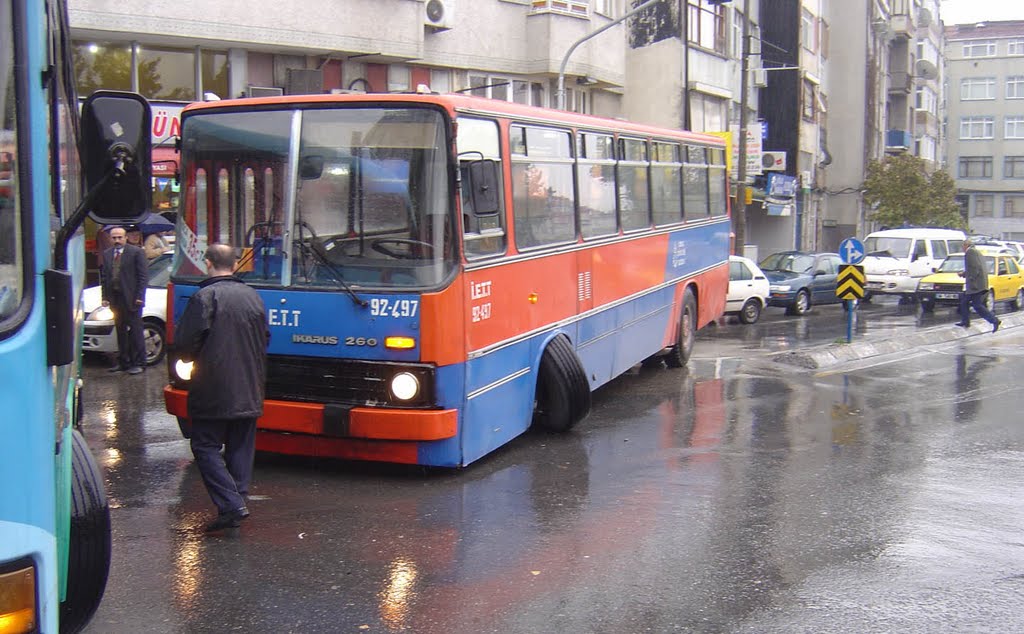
x,y
378,246
268,225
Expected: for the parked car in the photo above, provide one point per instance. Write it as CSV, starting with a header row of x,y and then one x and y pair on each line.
x,y
897,259
799,280
748,290
100,335
945,285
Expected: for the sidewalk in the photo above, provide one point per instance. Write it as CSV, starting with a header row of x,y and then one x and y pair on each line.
x,y
882,344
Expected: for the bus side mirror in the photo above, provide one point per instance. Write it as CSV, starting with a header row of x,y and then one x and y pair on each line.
x,y
116,155
483,187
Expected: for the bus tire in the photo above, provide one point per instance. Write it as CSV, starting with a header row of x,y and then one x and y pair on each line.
x,y
680,353
563,392
89,546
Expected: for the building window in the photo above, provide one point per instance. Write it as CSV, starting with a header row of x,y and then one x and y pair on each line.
x,y
707,112
1015,87
706,25
1013,167
166,73
568,7
808,32
440,80
977,88
160,73
927,148
980,48
975,167
807,109
1013,206
1015,127
398,78
926,99
983,205
605,7
1015,47
977,127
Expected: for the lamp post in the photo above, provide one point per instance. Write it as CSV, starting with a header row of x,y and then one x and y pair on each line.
x,y
575,45
740,212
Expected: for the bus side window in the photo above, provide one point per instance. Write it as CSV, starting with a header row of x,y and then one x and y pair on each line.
x,y
480,172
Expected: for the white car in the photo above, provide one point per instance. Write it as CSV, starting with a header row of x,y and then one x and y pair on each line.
x,y
748,290
100,334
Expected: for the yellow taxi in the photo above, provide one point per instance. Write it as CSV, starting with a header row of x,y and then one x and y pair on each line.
x,y
944,286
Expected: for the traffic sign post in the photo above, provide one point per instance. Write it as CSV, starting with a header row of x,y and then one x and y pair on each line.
x,y
850,287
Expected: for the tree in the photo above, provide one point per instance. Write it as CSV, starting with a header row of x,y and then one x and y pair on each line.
x,y
902,192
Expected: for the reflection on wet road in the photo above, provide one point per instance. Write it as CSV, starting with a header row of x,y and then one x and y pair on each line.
x,y
733,497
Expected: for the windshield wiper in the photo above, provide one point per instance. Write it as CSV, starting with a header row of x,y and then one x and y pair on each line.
x,y
316,248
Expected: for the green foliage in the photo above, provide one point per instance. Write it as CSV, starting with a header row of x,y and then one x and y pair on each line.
x,y
903,192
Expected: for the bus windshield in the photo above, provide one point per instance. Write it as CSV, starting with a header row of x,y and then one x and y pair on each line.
x,y
350,197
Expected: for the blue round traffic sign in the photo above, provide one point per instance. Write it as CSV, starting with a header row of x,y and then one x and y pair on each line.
x,y
851,250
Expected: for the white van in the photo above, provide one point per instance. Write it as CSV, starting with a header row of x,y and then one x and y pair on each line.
x,y
896,259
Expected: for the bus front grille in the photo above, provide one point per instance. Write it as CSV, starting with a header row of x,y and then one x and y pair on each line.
x,y
342,381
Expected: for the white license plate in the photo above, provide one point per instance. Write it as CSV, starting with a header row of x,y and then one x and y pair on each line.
x,y
947,295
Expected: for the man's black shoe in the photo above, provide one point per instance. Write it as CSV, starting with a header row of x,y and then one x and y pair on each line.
x,y
996,325
232,519
962,324
116,368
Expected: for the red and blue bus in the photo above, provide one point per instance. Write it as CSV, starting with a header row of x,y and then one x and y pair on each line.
x,y
441,272
55,168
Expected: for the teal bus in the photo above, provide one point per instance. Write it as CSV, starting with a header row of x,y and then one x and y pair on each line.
x,y
57,166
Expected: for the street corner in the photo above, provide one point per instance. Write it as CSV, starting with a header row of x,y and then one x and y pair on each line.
x,y
833,354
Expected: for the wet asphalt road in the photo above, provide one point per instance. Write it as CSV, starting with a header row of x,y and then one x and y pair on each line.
x,y
738,495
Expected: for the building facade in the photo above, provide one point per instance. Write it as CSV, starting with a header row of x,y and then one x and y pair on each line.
x,y
986,124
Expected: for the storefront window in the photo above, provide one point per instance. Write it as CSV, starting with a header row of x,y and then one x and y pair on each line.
x,y
215,73
106,65
166,74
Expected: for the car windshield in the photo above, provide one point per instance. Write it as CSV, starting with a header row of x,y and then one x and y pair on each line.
x,y
955,264
787,263
891,247
160,270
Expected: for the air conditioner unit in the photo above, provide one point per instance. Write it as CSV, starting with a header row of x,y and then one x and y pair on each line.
x,y
437,14
773,161
264,91
301,81
760,77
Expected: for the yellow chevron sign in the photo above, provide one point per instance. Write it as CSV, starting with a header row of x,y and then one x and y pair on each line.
x,y
850,281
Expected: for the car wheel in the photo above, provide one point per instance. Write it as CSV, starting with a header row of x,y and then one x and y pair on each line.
x,y
1018,302
801,303
153,335
751,311
927,305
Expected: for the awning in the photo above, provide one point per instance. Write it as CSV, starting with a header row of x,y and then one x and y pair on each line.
x,y
165,162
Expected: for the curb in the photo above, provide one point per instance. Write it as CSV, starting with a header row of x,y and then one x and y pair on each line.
x,y
835,353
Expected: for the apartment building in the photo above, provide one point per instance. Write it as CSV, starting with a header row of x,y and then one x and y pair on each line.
x,y
985,116
886,71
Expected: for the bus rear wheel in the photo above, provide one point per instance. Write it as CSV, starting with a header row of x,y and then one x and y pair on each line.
x,y
563,392
89,547
680,353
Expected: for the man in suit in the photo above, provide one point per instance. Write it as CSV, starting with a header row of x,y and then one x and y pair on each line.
x,y
123,279
975,276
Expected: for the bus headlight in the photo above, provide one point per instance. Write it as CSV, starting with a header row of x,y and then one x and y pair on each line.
x,y
405,386
183,369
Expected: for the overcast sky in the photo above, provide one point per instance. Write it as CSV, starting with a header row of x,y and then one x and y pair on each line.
x,y
971,11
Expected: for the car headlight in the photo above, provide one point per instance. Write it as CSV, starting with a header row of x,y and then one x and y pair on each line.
x,y
405,386
779,287
103,313
926,286
898,272
183,369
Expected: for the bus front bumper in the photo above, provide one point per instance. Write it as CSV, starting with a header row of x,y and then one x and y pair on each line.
x,y
333,421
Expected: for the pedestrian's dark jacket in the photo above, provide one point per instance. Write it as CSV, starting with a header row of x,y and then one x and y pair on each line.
x,y
976,273
224,331
134,275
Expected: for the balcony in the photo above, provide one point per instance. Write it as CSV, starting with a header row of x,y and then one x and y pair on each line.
x,y
903,25
897,141
901,82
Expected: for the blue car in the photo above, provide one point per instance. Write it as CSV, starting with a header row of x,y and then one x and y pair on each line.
x,y
799,280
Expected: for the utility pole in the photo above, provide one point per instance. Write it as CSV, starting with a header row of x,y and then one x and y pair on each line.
x,y
739,213
565,60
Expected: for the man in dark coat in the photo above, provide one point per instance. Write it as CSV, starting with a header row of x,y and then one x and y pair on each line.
x,y
223,331
124,277
975,276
